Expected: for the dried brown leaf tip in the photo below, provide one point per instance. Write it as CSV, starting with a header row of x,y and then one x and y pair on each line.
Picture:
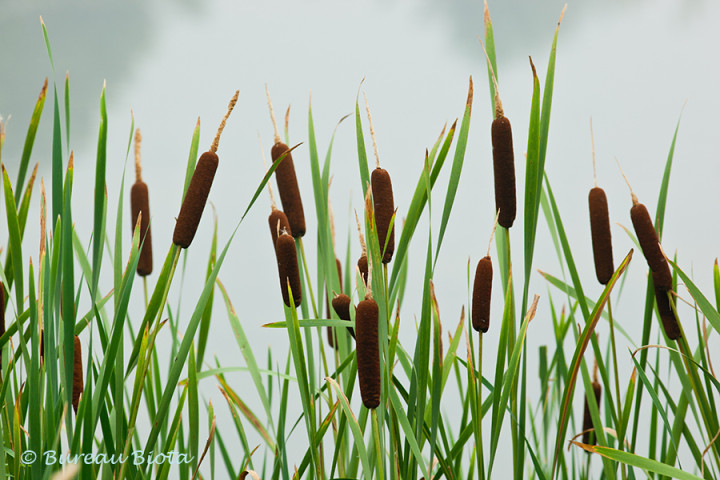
x,y
288,268
140,206
77,374
197,193
367,352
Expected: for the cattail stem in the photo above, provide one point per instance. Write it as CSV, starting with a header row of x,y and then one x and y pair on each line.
x,y
615,368
287,124
632,194
592,142
270,190
303,258
372,132
138,167
272,115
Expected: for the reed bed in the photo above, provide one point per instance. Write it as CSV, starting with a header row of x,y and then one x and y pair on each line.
x,y
381,407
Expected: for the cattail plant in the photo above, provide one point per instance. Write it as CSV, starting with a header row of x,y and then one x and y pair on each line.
x,y
288,268
140,203
482,288
589,434
648,239
600,227
287,180
383,203
503,159
42,346
199,188
367,351
77,375
659,268
277,220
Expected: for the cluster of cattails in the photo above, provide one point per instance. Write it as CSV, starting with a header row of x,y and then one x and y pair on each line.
x,y
589,434
289,223
659,268
140,206
77,375
287,181
197,193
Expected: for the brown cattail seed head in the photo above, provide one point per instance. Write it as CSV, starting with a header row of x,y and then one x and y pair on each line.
x,y
368,352
600,231
275,217
363,267
481,295
648,239
384,207
77,375
288,268
504,169
589,437
195,199
341,304
139,202
289,190
667,315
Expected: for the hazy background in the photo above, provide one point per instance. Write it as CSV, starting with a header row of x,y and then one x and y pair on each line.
x,y
630,65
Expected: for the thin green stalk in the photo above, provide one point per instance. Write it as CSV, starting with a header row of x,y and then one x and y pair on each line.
x,y
619,427
379,464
